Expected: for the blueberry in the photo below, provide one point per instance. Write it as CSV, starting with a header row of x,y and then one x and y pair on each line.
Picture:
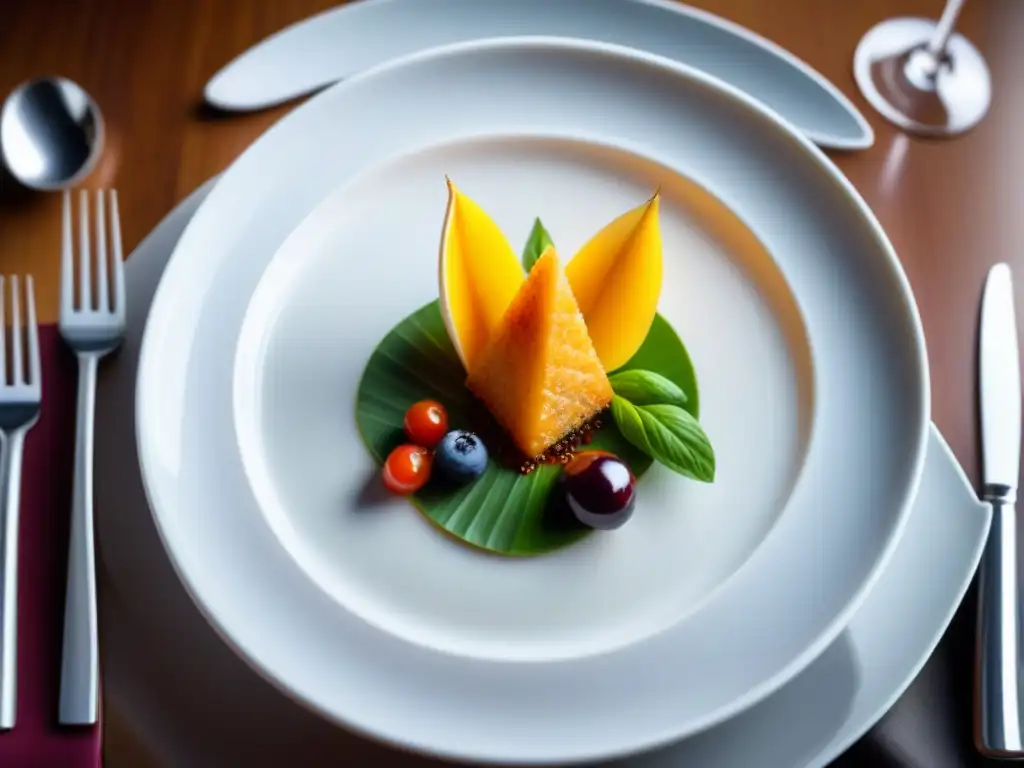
x,y
460,456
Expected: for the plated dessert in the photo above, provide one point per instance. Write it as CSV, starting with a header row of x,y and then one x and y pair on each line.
x,y
519,409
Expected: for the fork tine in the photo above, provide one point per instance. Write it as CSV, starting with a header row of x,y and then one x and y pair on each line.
x,y
35,375
102,298
117,257
84,256
17,361
67,268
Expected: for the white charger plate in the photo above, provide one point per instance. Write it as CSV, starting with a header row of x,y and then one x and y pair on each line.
x,y
168,675
738,641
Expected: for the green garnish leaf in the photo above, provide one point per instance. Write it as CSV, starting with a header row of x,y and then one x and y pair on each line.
x,y
538,240
503,511
630,424
669,435
642,387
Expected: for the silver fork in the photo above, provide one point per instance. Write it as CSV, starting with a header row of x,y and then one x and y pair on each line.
x,y
93,326
21,395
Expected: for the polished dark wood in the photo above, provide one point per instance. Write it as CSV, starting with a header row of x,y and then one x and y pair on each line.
x,y
951,207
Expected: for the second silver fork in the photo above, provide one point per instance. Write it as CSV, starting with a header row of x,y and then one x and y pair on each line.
x,y
93,326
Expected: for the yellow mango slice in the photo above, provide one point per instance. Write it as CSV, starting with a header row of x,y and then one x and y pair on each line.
x,y
478,275
616,278
540,376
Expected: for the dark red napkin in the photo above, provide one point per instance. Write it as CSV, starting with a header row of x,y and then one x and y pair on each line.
x,y
36,740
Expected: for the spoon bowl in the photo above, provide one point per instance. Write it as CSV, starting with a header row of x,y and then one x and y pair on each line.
x,y
51,133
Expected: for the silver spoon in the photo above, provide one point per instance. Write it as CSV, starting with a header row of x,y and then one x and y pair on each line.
x,y
51,133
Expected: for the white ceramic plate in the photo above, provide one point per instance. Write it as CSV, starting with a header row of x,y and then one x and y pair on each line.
x,y
343,41
302,350
605,121
168,675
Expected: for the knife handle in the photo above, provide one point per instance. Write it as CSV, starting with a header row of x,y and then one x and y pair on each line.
x,y
997,731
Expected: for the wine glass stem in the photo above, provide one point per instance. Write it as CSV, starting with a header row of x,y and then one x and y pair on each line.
x,y
937,45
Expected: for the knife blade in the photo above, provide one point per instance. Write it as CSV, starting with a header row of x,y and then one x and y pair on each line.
x,y
997,731
341,42
999,379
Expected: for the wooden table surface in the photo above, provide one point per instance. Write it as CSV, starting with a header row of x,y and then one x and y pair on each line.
x,y
952,208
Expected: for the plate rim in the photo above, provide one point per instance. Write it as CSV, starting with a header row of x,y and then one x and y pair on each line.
x,y
937,440
676,69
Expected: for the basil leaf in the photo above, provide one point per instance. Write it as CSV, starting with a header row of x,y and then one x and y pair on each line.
x,y
669,435
678,441
538,240
628,420
647,388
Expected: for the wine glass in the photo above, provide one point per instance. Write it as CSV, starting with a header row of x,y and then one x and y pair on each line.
x,y
922,76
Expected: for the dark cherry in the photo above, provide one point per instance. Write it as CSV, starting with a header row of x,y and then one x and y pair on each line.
x,y
599,489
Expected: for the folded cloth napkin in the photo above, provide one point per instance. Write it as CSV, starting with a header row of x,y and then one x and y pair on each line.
x,y
36,740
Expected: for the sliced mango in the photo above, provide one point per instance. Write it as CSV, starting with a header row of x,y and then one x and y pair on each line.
x,y
616,278
478,275
540,376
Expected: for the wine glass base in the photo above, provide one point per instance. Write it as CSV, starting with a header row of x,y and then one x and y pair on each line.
x,y
901,80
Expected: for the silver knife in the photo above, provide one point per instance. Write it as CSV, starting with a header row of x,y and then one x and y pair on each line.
x,y
997,730
344,41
